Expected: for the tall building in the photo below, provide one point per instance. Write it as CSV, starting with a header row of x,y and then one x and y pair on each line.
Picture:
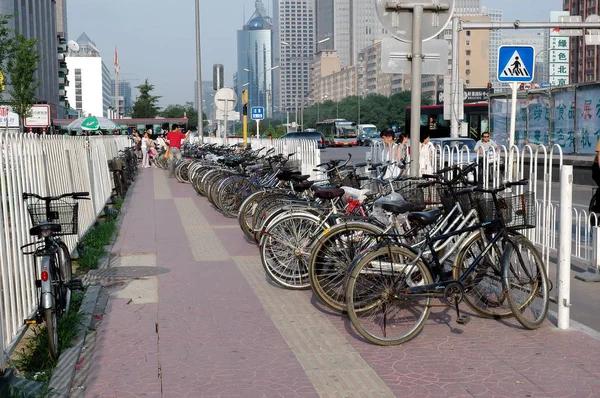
x,y
90,90
294,47
255,66
584,60
347,26
208,98
495,43
125,94
61,19
37,19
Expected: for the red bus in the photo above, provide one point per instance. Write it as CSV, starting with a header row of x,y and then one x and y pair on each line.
x,y
475,122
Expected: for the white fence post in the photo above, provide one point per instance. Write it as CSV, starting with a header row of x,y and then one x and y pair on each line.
x,y
564,246
593,272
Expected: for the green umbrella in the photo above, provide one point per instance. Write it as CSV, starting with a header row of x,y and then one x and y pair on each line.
x,y
92,123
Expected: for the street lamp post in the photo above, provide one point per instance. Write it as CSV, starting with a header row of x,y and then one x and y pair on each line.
x,y
199,73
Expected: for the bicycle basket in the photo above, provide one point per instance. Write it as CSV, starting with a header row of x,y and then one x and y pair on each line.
x,y
517,211
62,213
448,197
411,192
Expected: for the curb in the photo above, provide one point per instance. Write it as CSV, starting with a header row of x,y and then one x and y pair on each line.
x,y
69,361
60,383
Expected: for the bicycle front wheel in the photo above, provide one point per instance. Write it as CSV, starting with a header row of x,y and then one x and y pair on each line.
x,y
376,299
526,283
52,329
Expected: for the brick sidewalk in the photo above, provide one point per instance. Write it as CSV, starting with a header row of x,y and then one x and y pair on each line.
x,y
214,326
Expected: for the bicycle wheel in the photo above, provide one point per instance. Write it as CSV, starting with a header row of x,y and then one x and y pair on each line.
x,y
285,249
376,304
246,213
331,258
65,273
526,283
52,330
484,291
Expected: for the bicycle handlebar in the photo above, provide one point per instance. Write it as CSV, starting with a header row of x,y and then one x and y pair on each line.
x,y
74,195
502,187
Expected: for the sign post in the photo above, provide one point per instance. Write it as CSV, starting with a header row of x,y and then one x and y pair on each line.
x,y
39,117
515,66
258,114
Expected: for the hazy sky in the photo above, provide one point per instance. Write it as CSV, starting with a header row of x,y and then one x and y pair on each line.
x,y
156,38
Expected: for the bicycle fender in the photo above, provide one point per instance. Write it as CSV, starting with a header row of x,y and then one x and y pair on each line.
x,y
46,293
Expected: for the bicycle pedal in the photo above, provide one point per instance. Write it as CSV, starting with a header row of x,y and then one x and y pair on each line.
x,y
75,284
31,321
463,319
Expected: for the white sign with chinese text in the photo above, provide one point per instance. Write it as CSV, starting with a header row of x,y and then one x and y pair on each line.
x,y
558,53
39,116
8,116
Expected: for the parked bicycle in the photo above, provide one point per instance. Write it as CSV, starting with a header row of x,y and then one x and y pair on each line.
x,y
52,217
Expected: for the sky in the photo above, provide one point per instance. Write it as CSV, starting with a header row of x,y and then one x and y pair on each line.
x,y
156,38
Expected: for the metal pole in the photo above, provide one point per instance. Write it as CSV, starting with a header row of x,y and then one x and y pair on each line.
x,y
454,132
564,246
529,25
199,75
415,97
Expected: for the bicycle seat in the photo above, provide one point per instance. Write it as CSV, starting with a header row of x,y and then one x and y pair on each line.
x,y
300,178
424,217
397,207
287,175
316,188
290,170
303,186
38,229
330,193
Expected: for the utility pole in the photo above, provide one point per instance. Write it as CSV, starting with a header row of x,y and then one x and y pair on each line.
x,y
199,74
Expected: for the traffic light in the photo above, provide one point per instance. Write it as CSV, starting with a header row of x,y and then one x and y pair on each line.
x,y
245,97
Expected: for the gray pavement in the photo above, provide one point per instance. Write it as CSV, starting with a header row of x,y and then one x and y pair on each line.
x,y
214,325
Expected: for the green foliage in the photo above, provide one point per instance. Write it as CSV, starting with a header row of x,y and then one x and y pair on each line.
x,y
271,131
21,67
146,105
91,248
281,130
34,358
375,109
189,110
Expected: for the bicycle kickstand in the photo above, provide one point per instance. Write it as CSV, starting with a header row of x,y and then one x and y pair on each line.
x,y
461,319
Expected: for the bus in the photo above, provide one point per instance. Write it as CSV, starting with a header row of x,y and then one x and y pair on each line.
x,y
475,122
338,132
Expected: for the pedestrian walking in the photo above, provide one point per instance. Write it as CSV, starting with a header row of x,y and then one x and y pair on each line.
x,y
145,148
595,201
174,139
426,155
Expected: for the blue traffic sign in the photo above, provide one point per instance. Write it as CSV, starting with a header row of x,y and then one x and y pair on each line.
x,y
516,64
257,113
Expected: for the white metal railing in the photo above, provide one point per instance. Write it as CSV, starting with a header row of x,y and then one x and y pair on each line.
x,y
45,165
305,152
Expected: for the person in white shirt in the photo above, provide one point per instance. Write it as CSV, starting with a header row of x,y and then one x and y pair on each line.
x,y
485,143
426,154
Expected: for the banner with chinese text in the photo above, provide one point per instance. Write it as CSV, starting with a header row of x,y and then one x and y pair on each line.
x,y
539,120
564,120
588,119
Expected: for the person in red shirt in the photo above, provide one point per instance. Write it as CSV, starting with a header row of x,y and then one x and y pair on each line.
x,y
175,139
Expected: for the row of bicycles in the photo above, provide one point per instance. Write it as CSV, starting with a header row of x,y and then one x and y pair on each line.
x,y
383,251
123,169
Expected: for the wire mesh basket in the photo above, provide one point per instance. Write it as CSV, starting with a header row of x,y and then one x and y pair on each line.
x,y
411,191
448,197
517,211
63,213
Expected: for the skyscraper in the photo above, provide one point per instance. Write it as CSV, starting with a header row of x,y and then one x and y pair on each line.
x,y
36,19
495,43
294,47
584,60
255,56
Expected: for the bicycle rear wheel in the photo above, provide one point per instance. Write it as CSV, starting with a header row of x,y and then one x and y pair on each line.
x,y
378,308
64,268
332,256
526,283
484,290
52,330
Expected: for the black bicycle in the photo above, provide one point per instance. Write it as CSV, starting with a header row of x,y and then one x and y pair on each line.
x,y
52,217
390,288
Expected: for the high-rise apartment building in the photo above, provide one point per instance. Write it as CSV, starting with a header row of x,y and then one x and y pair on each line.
x,y
584,60
125,92
90,91
495,43
255,66
37,19
294,48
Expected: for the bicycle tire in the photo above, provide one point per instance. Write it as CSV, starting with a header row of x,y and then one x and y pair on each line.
x,y
483,288
331,258
380,279
296,230
517,279
246,212
65,273
51,323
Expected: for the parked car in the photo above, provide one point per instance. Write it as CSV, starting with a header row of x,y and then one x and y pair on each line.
x,y
368,138
306,135
458,144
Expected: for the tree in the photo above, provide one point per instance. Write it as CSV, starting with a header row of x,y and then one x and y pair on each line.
x,y
188,110
146,105
22,65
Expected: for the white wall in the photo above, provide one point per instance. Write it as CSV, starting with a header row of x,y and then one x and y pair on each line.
x,y
91,84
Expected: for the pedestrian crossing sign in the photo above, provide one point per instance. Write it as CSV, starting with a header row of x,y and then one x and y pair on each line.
x,y
516,64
